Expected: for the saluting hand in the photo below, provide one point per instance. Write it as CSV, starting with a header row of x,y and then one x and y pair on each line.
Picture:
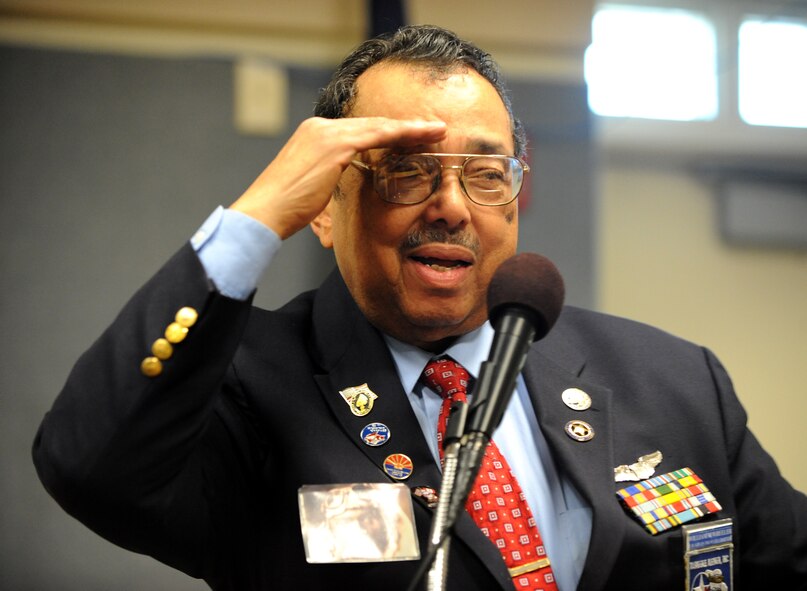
x,y
298,183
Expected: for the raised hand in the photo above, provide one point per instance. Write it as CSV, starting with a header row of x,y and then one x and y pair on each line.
x,y
298,183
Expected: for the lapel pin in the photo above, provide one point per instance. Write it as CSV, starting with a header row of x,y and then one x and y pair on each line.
x,y
375,434
576,399
398,466
360,399
580,430
427,494
641,469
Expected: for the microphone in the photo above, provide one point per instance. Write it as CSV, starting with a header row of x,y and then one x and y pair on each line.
x,y
525,298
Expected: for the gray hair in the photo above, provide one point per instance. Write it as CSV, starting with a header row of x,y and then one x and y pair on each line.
x,y
440,50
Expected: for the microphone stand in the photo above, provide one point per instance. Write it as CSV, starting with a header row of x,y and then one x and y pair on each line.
x,y
462,457
461,462
439,537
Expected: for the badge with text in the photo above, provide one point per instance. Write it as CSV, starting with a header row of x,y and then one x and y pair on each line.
x,y
708,556
375,434
398,466
359,522
360,399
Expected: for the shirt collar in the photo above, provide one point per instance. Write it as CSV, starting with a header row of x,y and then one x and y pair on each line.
x,y
470,350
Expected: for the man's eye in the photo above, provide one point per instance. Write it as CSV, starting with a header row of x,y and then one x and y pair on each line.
x,y
406,164
407,170
491,174
487,177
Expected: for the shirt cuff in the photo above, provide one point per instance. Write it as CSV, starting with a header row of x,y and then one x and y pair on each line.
x,y
235,250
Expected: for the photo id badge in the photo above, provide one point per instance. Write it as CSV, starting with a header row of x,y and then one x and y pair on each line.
x,y
708,554
360,522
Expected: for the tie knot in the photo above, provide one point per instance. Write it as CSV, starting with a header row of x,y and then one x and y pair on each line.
x,y
446,377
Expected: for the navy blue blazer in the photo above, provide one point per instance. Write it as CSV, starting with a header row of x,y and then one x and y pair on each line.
x,y
200,466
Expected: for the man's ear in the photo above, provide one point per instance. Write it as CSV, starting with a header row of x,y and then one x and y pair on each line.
x,y
322,225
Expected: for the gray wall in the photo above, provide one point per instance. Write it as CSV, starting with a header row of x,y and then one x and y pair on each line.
x,y
107,165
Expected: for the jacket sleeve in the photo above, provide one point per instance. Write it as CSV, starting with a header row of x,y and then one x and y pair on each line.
x,y
772,514
139,459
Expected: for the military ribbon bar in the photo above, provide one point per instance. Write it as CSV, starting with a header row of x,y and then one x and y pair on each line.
x,y
668,500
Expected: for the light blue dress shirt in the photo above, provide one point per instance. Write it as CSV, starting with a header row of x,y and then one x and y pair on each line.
x,y
235,250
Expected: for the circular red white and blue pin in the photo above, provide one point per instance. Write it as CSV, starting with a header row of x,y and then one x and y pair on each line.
x,y
375,434
398,466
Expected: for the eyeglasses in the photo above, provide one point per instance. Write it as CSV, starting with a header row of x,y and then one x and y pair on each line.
x,y
412,178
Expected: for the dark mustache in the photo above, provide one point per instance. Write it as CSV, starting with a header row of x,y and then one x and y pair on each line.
x,y
421,236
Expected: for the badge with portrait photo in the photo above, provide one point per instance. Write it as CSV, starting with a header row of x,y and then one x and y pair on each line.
x,y
359,522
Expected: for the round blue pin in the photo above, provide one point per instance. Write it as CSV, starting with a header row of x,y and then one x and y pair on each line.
x,y
375,434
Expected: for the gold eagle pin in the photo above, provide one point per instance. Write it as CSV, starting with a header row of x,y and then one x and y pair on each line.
x,y
360,399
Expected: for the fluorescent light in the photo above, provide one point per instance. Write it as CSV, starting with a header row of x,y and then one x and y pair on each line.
x,y
652,63
772,73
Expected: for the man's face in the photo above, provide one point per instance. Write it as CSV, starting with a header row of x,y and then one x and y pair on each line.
x,y
420,272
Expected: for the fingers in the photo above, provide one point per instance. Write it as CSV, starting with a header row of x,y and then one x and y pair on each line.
x,y
379,132
298,183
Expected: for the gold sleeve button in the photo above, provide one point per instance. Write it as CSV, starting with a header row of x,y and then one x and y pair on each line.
x,y
151,367
176,333
162,349
186,317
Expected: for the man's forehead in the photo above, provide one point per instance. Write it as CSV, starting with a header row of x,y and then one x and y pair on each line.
x,y
477,118
472,145
392,83
422,72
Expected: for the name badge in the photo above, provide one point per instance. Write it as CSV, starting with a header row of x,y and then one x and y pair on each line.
x,y
359,522
708,555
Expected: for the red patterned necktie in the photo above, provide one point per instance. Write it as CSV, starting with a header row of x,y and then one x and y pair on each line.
x,y
496,501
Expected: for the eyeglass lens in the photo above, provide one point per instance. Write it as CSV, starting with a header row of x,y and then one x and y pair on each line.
x,y
412,178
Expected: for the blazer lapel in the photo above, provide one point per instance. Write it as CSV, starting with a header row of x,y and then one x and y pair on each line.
x,y
352,352
587,464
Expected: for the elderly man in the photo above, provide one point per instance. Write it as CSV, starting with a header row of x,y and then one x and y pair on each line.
x,y
188,429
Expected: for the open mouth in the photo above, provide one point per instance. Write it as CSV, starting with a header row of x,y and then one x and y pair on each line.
x,y
441,264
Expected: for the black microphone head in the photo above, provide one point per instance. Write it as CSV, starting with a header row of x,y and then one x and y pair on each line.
x,y
531,283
